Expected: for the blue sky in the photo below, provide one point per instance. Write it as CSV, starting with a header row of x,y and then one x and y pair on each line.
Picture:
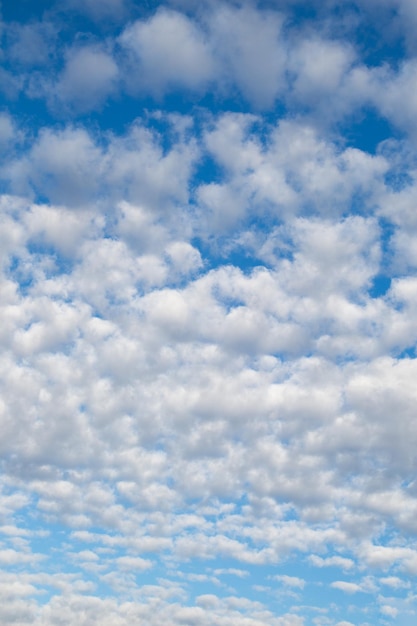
x,y
208,248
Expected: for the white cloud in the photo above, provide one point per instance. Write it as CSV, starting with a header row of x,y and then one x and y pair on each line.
x,y
7,130
138,170
332,561
232,571
59,165
395,582
323,76
184,257
291,581
167,51
10,84
391,94
346,586
296,172
391,611
194,367
252,55
133,563
10,557
229,48
71,167
88,78
31,44
385,556
59,227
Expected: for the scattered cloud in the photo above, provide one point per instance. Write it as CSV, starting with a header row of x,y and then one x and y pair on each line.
x,y
207,364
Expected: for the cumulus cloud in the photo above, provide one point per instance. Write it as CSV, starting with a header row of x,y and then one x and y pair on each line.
x,y
59,166
323,77
230,48
7,130
252,55
291,581
388,89
346,586
165,52
31,44
336,561
295,172
88,78
208,329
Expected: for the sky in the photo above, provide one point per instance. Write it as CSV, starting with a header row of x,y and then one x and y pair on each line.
x,y
208,295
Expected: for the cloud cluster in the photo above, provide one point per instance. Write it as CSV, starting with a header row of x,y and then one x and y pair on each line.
x,y
261,56
208,325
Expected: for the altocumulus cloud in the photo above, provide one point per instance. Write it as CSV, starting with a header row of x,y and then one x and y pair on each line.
x,y
208,291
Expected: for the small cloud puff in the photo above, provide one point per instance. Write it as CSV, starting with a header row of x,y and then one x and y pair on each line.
x,y
167,51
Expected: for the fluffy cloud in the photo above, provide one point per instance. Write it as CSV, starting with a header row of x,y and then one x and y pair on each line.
x,y
207,397
59,166
295,172
389,88
32,44
251,52
89,77
167,51
323,77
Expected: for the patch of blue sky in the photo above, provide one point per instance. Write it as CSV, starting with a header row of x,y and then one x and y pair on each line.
x,y
366,130
48,258
21,274
226,252
25,11
408,353
377,51
207,170
380,286
400,177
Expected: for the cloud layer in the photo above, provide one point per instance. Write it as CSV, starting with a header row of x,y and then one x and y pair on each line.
x,y
208,329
